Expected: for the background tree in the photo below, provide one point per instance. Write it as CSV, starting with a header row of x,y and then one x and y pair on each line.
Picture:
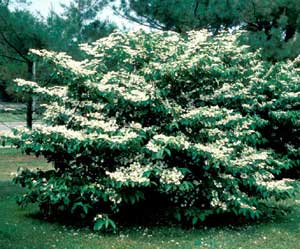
x,y
78,23
163,15
20,31
273,25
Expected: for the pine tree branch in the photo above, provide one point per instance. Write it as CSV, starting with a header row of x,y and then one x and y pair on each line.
x,y
197,2
133,19
14,47
11,58
11,28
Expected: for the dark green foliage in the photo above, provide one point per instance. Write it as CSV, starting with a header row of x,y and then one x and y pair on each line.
x,y
77,24
273,24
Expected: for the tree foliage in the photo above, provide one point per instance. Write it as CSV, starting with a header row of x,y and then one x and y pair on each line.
x,y
273,25
19,31
197,123
77,24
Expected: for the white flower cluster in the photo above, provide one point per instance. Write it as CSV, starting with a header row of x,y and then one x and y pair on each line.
x,y
134,173
135,96
54,110
58,91
171,176
206,112
292,95
136,126
279,185
216,150
52,92
65,61
127,136
215,132
161,141
131,45
250,156
90,105
196,39
113,196
99,217
216,202
69,134
229,118
96,122
154,147
129,86
246,206
61,130
30,84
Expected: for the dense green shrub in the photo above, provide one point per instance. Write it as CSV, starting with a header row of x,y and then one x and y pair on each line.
x,y
200,124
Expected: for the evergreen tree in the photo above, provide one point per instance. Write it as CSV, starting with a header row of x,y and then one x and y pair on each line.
x,y
77,24
273,24
20,31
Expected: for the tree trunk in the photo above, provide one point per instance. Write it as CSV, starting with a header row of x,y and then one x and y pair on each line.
x,y
29,114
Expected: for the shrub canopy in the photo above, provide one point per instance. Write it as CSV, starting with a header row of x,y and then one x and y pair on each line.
x,y
197,123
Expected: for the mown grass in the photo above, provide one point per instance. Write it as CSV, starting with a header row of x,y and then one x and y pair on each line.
x,y
12,112
16,116
12,117
23,228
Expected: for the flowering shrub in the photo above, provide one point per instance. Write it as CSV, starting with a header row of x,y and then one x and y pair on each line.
x,y
199,123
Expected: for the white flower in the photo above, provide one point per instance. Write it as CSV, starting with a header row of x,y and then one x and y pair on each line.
x,y
171,176
133,173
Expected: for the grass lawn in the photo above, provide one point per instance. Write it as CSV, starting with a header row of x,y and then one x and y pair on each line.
x,y
12,112
12,117
20,228
16,116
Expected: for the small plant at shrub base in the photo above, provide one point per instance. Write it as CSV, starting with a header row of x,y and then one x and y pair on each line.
x,y
200,123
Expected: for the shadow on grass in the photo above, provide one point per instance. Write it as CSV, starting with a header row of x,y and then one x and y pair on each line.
x,y
146,217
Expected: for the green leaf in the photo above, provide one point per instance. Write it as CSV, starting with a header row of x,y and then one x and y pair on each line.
x,y
168,151
98,225
177,215
194,220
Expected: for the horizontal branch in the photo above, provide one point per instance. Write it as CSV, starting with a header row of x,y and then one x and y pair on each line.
x,y
12,58
14,47
133,19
